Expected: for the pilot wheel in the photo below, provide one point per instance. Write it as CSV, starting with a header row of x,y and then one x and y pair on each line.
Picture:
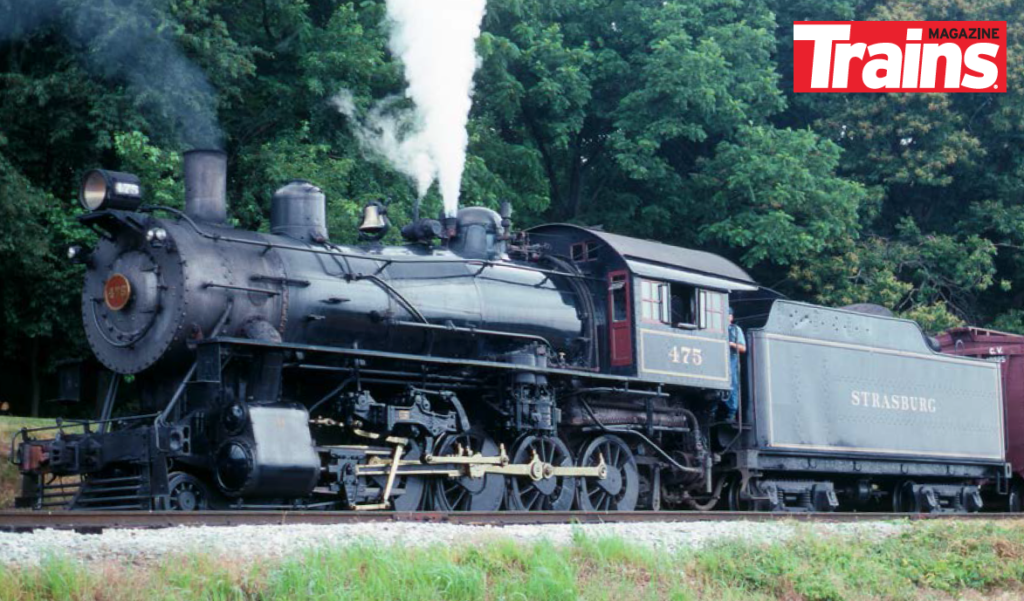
x,y
187,493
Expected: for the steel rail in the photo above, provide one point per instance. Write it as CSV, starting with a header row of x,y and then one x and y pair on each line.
x,y
97,521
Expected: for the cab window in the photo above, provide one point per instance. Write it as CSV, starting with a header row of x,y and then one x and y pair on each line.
x,y
620,306
676,305
581,252
714,311
685,307
654,304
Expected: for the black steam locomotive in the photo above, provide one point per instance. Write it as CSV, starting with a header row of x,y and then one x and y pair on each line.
x,y
477,369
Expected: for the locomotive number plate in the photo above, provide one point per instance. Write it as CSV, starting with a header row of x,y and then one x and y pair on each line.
x,y
117,292
694,358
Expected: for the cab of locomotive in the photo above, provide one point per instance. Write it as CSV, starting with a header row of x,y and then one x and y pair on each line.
x,y
665,308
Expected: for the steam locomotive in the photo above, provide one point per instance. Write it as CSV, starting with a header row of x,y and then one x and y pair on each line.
x,y
474,368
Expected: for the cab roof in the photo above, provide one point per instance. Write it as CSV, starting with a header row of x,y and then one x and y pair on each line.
x,y
633,250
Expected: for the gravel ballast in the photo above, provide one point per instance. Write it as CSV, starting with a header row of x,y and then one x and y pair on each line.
x,y
249,543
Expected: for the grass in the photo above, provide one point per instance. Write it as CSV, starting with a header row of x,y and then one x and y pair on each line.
x,y
9,426
927,561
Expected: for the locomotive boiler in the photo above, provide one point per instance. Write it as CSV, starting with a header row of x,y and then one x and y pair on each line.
x,y
470,368
155,286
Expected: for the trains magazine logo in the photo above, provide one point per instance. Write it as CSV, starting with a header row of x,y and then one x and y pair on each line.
x,y
899,56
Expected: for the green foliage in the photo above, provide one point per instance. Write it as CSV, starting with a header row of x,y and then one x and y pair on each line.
x,y
923,559
670,120
610,104
40,290
917,561
944,245
775,194
160,169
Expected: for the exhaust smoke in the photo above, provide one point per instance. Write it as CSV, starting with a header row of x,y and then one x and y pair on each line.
x,y
436,41
130,42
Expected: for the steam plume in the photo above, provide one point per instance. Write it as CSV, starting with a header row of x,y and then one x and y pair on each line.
x,y
394,134
436,41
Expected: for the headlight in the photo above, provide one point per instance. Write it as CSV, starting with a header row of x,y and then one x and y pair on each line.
x,y
103,189
156,235
80,255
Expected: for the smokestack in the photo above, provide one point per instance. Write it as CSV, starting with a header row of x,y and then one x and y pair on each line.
x,y
206,183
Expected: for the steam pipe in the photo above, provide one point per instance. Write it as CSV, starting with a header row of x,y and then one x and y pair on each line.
x,y
451,228
378,259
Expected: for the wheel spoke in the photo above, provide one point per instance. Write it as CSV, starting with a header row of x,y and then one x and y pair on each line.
x,y
457,503
537,496
463,493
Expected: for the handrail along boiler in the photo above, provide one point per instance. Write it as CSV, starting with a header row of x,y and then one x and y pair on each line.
x,y
471,368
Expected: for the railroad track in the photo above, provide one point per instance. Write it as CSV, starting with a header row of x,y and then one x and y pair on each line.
x,y
97,521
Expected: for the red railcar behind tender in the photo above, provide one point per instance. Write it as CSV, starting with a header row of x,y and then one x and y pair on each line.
x,y
1007,349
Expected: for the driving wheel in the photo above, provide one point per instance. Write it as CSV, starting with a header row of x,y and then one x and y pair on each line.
x,y
466,493
620,489
407,491
551,493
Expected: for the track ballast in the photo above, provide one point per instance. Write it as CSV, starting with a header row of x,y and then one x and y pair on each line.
x,y
97,521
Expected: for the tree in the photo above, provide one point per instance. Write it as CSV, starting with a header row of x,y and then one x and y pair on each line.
x,y
616,101
775,194
673,120
946,167
39,315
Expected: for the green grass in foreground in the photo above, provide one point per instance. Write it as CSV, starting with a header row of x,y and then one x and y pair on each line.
x,y
927,561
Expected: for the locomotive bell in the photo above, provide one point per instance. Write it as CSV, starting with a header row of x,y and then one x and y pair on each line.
x,y
375,221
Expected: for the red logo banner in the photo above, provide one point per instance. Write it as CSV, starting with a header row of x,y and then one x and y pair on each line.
x,y
899,56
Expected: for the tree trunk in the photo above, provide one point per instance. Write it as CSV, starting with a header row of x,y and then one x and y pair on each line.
x,y
572,208
549,162
34,371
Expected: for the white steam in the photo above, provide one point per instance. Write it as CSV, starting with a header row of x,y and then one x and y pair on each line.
x,y
436,41
394,134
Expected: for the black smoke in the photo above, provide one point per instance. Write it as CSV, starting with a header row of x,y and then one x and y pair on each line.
x,y
129,43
